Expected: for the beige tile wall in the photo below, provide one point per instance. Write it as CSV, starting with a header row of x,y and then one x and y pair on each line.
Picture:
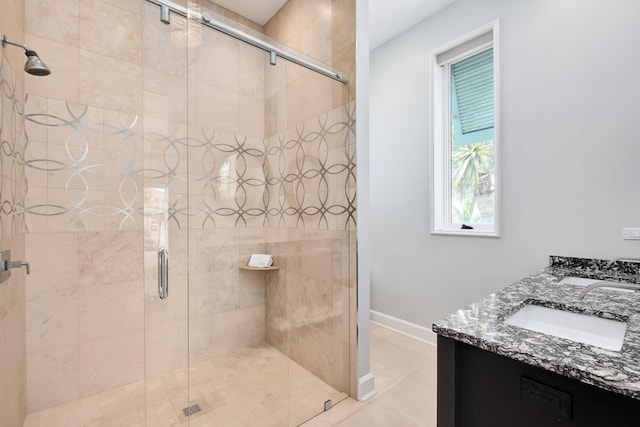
x,y
120,91
12,26
84,314
311,314
12,293
321,29
226,305
86,200
307,301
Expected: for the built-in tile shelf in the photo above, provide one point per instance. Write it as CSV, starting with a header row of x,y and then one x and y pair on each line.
x,y
246,267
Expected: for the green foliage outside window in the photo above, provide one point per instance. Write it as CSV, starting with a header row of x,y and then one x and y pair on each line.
x,y
472,182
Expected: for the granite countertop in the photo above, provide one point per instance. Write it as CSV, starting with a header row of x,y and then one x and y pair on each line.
x,y
481,323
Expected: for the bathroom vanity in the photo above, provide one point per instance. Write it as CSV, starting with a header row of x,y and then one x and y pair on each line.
x,y
493,373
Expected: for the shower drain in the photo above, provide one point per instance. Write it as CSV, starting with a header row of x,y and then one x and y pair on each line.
x,y
193,409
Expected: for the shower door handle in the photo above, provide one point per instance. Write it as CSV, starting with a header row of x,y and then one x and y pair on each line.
x,y
163,272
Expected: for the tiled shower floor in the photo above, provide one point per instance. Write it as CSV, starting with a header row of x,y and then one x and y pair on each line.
x,y
251,387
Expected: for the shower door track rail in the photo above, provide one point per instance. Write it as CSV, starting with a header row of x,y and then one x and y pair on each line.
x,y
207,20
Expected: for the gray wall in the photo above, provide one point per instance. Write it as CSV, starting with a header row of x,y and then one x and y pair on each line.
x,y
570,151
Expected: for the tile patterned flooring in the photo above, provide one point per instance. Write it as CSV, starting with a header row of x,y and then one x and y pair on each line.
x,y
405,378
246,388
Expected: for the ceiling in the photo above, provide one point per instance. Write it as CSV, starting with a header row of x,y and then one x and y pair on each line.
x,y
388,18
258,11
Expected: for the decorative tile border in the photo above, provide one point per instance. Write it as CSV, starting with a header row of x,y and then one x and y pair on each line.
x,y
103,172
11,155
312,173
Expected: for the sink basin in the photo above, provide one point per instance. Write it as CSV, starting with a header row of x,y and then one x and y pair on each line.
x,y
596,331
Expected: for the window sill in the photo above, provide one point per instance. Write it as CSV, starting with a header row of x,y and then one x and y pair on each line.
x,y
466,233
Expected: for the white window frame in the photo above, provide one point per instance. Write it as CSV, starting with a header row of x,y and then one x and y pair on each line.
x,y
441,135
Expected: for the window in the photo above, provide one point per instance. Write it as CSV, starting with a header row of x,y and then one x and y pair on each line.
x,y
465,136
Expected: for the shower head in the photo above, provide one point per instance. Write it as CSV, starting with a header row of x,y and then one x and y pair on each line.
x,y
34,64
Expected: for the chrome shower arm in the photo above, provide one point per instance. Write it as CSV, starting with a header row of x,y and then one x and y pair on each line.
x,y
5,40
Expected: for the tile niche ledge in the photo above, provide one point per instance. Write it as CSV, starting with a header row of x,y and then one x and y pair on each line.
x,y
246,267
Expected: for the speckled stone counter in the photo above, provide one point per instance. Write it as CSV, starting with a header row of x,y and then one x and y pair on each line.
x,y
481,323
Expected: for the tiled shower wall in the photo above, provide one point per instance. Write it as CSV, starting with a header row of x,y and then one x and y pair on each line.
x,y
110,152
311,301
12,297
102,202
308,300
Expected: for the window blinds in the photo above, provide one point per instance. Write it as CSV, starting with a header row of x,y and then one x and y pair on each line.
x,y
472,88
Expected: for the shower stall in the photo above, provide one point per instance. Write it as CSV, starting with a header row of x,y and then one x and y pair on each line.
x,y
197,139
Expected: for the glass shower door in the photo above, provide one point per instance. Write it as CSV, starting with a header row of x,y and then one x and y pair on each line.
x,y
165,172
235,378
243,157
309,226
271,171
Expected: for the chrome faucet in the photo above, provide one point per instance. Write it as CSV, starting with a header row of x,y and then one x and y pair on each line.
x,y
603,284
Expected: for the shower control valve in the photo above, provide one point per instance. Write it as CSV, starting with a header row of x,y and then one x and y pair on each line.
x,y
6,265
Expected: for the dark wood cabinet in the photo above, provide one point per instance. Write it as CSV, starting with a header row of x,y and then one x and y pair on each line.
x,y
478,388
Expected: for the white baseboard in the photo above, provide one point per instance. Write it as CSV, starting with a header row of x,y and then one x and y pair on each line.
x,y
366,387
403,327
